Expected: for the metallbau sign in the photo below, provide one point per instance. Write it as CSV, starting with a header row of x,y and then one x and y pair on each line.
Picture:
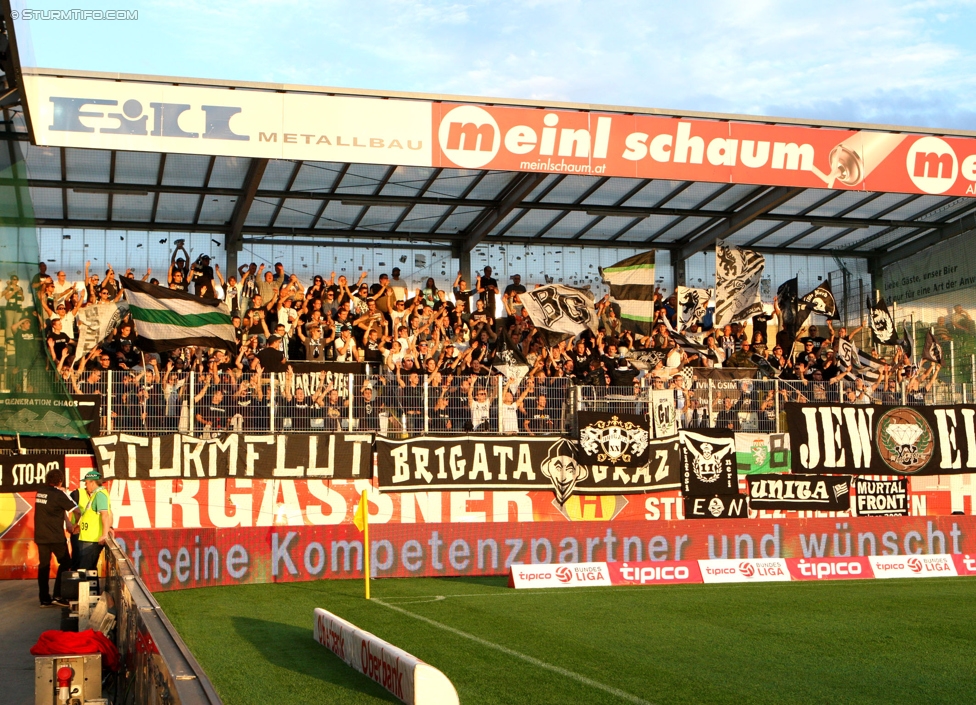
x,y
158,117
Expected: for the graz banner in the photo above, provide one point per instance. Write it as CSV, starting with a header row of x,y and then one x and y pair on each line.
x,y
618,439
337,456
708,464
757,453
478,463
730,506
831,493
882,440
881,497
27,472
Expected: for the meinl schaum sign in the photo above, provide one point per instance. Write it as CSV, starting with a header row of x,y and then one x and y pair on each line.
x,y
829,493
338,456
882,440
500,463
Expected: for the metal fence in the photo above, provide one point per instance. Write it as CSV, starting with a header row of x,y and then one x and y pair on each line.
x,y
229,401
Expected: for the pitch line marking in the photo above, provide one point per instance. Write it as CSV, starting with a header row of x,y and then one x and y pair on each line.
x,y
623,695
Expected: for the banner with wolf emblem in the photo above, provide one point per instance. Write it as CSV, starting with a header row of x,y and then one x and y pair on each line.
x,y
433,463
617,439
692,305
882,440
738,275
881,323
829,493
708,464
732,506
561,309
757,453
663,413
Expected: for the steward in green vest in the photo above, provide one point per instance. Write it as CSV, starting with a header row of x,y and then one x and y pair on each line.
x,y
96,520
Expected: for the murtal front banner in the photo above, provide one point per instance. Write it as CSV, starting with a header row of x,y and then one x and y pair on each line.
x,y
262,121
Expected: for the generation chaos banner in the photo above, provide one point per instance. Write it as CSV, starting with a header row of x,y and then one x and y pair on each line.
x,y
882,440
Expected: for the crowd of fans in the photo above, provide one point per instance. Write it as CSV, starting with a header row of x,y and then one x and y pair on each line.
x,y
427,356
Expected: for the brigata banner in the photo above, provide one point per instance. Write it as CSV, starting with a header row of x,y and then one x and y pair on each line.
x,y
264,122
498,463
881,497
882,440
831,493
339,456
27,472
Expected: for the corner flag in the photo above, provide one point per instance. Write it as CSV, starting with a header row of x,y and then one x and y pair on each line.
x,y
361,520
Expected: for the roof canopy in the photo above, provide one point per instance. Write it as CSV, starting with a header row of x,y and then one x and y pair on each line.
x,y
262,162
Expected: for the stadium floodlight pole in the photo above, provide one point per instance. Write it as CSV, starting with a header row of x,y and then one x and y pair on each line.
x,y
952,363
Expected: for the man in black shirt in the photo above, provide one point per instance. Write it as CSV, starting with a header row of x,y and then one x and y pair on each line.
x,y
272,358
50,504
489,289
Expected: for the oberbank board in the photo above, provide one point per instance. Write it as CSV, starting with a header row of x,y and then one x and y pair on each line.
x,y
142,115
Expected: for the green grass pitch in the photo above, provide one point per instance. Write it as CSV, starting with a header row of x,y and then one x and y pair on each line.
x,y
892,641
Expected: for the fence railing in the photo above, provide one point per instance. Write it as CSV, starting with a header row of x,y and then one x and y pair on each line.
x,y
197,404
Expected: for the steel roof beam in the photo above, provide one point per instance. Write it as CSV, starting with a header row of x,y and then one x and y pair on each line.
x,y
956,227
512,198
255,172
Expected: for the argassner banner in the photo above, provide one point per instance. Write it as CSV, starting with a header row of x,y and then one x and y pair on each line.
x,y
344,456
480,463
882,440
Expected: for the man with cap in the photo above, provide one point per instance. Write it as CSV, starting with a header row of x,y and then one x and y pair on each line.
x,y
50,504
95,525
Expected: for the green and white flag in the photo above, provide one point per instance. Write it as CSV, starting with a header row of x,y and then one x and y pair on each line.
x,y
632,288
758,453
166,319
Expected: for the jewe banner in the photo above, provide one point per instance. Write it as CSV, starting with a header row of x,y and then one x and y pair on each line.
x,y
263,122
882,440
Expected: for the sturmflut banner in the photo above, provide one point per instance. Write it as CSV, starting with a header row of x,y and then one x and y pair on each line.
x,y
339,456
882,440
480,463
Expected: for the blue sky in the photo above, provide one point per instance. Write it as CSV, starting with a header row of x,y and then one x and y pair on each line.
x,y
910,63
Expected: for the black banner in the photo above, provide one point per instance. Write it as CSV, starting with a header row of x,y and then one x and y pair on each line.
x,y
499,463
617,439
708,464
730,506
882,440
828,493
722,379
324,456
27,472
881,497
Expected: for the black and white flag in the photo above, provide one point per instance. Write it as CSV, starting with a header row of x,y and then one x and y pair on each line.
x,y
881,322
663,413
561,309
708,464
646,359
821,301
801,492
881,497
857,363
692,306
738,275
717,507
510,362
932,350
613,439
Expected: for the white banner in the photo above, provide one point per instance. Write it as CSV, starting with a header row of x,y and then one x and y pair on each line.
x,y
744,570
933,566
552,575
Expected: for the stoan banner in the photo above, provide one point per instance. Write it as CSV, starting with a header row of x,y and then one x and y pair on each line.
x,y
262,121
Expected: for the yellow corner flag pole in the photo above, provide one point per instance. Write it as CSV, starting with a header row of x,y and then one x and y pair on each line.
x,y
361,520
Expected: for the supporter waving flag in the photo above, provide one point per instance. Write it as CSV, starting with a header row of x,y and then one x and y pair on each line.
x,y
561,309
509,360
167,319
738,274
631,283
932,350
882,324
